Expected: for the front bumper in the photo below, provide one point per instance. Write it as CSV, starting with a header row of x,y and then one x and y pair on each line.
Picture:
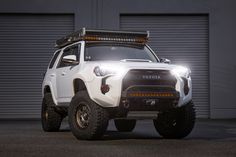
x,y
149,98
161,96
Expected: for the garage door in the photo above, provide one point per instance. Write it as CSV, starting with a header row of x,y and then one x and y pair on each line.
x,y
26,45
183,40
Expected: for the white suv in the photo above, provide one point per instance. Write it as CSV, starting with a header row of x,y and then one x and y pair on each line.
x,y
98,75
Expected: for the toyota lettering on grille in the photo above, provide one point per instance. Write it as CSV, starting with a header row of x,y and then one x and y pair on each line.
x,y
151,77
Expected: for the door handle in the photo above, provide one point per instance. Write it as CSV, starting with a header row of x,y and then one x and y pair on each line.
x,y
63,73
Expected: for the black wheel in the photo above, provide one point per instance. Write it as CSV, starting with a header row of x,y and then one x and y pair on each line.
x,y
87,120
125,125
51,120
177,123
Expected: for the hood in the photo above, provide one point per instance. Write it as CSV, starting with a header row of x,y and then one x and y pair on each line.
x,y
133,65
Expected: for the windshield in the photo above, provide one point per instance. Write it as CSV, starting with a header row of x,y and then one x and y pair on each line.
x,y
117,52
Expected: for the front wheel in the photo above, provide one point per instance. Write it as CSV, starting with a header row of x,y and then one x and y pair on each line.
x,y
87,120
176,123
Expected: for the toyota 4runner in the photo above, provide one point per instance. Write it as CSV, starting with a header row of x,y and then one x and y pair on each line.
x,y
98,75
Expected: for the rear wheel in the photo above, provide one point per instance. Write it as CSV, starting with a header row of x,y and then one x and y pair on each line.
x,y
177,123
125,125
87,120
51,119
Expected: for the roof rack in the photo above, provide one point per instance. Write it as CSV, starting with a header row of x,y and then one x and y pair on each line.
x,y
103,35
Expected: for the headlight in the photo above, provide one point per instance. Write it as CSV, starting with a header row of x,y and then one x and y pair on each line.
x,y
107,70
181,71
101,71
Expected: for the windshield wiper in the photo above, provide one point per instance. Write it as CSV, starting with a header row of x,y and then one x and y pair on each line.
x,y
135,60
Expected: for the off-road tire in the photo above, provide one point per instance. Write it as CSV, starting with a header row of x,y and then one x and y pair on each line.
x,y
177,123
51,120
125,125
97,121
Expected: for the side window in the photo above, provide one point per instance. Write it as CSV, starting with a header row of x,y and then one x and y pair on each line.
x,y
54,58
73,50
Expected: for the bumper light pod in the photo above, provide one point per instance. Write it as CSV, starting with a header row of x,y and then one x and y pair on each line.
x,y
105,88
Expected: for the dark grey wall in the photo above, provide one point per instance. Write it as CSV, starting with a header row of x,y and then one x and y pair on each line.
x,y
106,14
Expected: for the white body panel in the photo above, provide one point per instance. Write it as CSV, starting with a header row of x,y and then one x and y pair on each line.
x,y
60,80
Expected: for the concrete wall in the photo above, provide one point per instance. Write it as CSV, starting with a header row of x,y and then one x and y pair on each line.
x,y
106,14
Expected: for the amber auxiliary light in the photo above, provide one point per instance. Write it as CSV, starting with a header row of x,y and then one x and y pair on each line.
x,y
150,94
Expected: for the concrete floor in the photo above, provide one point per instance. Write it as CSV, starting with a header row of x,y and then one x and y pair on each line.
x,y
215,138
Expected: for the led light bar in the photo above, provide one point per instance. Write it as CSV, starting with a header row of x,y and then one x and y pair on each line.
x,y
150,94
103,35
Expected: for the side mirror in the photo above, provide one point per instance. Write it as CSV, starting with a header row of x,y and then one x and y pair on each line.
x,y
70,59
165,60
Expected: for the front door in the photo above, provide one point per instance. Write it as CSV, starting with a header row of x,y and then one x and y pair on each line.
x,y
64,73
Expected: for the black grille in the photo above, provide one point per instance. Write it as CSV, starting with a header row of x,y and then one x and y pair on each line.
x,y
148,78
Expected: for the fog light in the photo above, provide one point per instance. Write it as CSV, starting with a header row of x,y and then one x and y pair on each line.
x,y
105,88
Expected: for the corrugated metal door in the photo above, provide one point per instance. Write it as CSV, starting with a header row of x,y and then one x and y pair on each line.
x,y
183,40
26,46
